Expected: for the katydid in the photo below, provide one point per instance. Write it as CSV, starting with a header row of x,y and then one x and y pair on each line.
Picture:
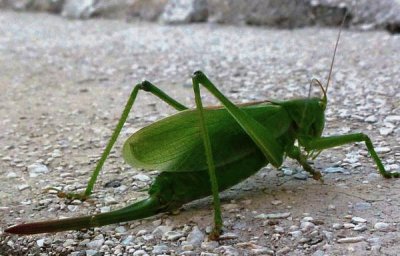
x,y
197,154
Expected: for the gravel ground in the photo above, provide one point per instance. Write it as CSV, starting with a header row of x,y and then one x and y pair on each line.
x,y
64,83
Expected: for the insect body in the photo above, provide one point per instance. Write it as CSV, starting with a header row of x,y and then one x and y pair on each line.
x,y
203,151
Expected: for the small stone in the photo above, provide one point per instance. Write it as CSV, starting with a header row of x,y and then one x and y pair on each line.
x,y
37,169
209,245
69,242
159,231
276,202
300,176
96,243
335,170
307,226
90,252
141,177
173,235
11,175
105,209
382,150
229,207
392,119
262,251
318,253
354,239
273,215
284,251
328,235
195,237
371,119
288,172
140,253
361,227
279,229
337,226
357,220
187,247
382,226
110,200
160,249
296,234
228,235
40,242
142,232
227,250
384,131
72,208
348,225
128,240
120,230
362,206
308,218
23,187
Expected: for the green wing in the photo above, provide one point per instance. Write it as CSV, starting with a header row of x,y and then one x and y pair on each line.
x,y
174,144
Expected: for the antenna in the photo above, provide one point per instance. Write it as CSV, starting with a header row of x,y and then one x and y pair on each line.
x,y
334,52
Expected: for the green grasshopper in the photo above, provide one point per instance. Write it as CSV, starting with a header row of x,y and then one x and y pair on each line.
x,y
196,151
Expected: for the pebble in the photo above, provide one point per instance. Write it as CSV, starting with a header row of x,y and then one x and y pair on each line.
x,y
382,226
69,242
393,119
335,170
159,231
72,208
11,175
382,150
37,169
282,215
296,234
96,243
172,235
228,235
307,226
360,227
161,248
140,253
141,177
108,200
262,251
128,240
120,229
288,172
23,187
227,250
276,202
348,225
40,242
209,245
195,237
300,176
90,253
187,247
384,131
337,226
142,232
279,229
357,220
328,235
371,119
362,206
354,239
